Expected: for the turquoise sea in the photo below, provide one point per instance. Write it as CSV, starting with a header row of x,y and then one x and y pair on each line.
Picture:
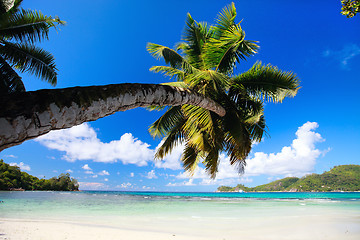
x,y
113,203
208,213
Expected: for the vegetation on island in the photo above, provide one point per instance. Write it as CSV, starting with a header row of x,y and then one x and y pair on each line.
x,y
339,178
205,62
12,178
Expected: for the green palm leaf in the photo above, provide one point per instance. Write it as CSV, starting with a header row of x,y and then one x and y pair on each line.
x,y
28,58
169,71
267,83
10,81
209,56
170,56
173,137
165,123
195,36
224,52
190,159
26,25
225,20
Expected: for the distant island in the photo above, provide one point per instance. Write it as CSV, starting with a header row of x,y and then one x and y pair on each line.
x,y
340,178
12,178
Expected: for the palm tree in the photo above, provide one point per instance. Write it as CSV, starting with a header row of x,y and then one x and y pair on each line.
x,y
26,115
205,62
19,30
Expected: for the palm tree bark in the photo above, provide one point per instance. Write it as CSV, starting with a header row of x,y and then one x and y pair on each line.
x,y
27,115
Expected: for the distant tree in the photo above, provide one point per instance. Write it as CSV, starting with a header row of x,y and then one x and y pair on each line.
x,y
12,177
350,7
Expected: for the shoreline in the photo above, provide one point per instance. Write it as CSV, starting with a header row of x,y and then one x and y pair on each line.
x,y
255,229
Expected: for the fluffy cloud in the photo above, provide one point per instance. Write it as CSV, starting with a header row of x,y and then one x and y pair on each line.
x,y
104,172
171,161
297,159
125,185
151,175
81,143
86,167
185,183
21,165
69,171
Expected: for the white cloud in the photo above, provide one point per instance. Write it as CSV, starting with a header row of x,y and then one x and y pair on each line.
x,y
151,175
92,186
125,185
11,156
185,183
69,171
344,55
106,179
298,159
21,165
81,143
86,167
171,161
132,174
103,173
89,172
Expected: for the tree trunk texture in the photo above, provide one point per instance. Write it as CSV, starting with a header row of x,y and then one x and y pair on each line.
x,y
27,115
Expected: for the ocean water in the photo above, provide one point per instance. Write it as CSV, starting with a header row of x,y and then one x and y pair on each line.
x,y
208,213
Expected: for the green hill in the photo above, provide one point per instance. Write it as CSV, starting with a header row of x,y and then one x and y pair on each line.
x,y
279,185
11,178
339,178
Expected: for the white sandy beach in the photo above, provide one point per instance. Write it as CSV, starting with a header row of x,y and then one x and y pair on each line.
x,y
303,228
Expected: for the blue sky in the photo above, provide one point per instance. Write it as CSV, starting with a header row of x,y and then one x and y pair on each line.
x,y
104,42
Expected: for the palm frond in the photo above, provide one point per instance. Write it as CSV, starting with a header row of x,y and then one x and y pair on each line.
x,y
267,83
27,25
10,81
181,46
195,36
174,137
177,84
197,118
165,123
169,55
28,58
169,71
155,108
224,52
211,162
225,20
190,159
257,129
207,82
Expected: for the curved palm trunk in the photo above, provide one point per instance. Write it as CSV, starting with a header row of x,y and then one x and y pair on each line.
x,y
27,115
